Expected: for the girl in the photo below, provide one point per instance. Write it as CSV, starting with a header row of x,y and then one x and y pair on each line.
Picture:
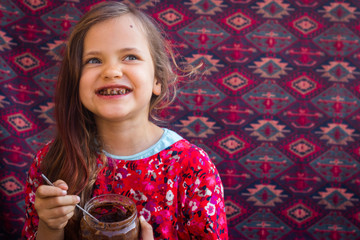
x,y
115,74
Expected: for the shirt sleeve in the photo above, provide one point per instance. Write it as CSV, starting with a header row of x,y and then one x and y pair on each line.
x,y
32,183
203,208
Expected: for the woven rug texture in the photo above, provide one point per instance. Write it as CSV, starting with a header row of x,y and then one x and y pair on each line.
x,y
276,108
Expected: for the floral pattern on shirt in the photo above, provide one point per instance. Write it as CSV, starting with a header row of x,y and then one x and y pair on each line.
x,y
178,191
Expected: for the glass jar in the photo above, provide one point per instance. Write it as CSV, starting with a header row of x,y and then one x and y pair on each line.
x,y
117,215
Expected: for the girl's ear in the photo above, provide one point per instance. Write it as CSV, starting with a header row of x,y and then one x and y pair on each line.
x,y
156,87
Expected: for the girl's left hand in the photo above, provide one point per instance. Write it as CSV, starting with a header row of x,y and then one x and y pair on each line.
x,y
146,230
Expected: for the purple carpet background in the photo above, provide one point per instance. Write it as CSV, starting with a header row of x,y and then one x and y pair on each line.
x,y
277,107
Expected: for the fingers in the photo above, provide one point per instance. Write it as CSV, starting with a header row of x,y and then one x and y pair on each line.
x,y
51,197
45,191
146,229
49,191
54,196
61,184
57,212
56,222
54,206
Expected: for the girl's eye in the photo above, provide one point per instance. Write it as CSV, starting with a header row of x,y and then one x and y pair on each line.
x,y
93,61
131,57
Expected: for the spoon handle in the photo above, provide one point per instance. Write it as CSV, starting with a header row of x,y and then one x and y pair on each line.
x,y
50,183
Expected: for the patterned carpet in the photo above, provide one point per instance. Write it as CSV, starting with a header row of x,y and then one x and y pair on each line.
x,y
277,108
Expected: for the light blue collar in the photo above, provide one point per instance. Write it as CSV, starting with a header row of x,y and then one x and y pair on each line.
x,y
168,138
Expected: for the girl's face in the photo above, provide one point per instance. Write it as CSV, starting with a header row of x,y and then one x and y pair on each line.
x,y
117,79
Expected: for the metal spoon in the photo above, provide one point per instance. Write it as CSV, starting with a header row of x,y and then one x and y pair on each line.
x,y
86,212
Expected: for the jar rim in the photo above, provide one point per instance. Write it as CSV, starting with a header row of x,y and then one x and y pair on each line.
x,y
107,198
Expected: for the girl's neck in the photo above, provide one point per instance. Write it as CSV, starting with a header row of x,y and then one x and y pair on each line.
x,y
128,139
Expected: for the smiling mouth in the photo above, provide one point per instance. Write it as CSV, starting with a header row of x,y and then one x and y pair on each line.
x,y
113,91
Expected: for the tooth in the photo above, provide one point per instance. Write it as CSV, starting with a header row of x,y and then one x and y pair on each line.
x,y
113,91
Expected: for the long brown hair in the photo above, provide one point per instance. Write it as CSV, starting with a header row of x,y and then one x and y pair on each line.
x,y
72,155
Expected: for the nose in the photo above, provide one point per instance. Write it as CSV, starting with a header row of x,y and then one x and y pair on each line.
x,y
112,71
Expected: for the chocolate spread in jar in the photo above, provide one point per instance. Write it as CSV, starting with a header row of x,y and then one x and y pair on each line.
x,y
117,217
108,212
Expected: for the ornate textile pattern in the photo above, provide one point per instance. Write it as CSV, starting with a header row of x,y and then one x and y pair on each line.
x,y
277,107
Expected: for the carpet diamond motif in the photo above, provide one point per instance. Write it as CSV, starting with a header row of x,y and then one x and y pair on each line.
x,y
170,17
39,140
47,79
263,225
207,7
305,25
337,101
235,81
268,97
55,49
46,112
11,186
19,122
5,41
233,210
195,126
266,161
334,226
210,63
336,198
275,105
302,147
203,33
200,95
141,4
9,13
3,133
273,8
340,12
271,37
35,5
339,72
267,130
5,71
271,68
335,165
307,55
27,61
63,18
231,144
265,195
337,133
239,21
300,213
231,113
338,41
303,84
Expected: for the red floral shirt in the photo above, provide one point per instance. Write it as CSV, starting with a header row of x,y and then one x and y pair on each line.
x,y
178,191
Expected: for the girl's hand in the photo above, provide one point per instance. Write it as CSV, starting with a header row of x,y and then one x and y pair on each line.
x,y
54,206
146,230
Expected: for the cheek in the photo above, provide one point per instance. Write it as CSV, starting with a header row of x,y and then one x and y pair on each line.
x,y
83,90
